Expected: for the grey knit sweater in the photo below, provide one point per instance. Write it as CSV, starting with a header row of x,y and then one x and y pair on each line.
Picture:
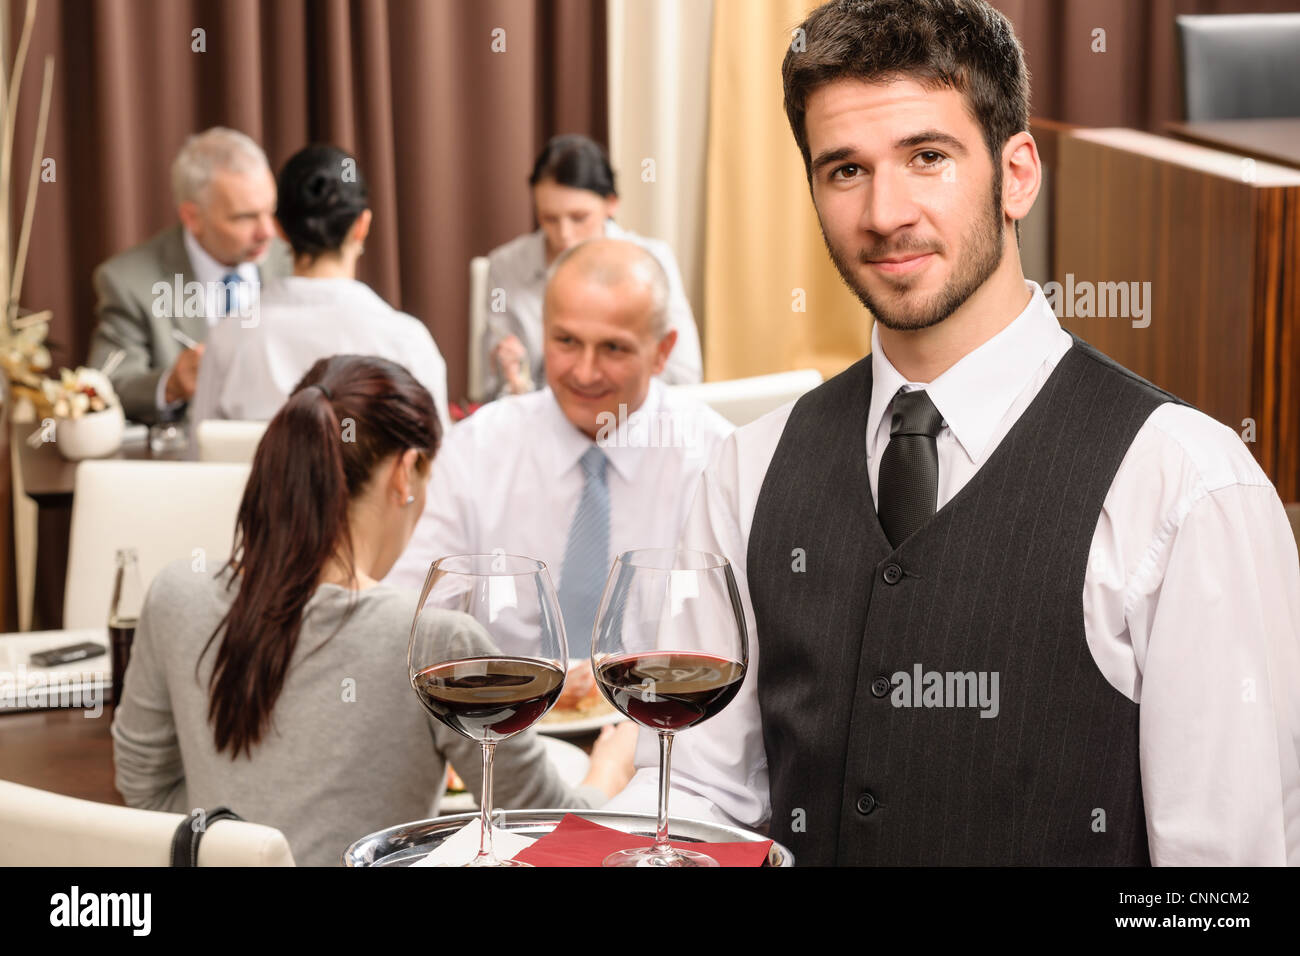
x,y
350,751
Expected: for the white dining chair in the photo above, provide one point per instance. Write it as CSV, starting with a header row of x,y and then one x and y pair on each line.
x,y
478,305
227,440
38,828
742,400
164,509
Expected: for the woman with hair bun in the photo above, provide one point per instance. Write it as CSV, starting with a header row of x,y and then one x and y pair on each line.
x,y
574,199
251,363
277,686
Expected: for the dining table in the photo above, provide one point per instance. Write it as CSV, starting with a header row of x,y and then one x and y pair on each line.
x,y
62,750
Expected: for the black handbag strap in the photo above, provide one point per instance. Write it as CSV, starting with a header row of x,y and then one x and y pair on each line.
x,y
185,842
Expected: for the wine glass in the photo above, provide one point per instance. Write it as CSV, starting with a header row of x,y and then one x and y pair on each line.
x,y
487,655
669,650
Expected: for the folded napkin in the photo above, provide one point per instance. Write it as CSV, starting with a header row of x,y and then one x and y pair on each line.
x,y
462,846
579,842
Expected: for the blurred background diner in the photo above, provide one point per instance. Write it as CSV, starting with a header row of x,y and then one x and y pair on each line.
x,y
574,199
253,360
536,218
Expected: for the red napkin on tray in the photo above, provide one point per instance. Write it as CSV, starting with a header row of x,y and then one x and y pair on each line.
x,y
579,842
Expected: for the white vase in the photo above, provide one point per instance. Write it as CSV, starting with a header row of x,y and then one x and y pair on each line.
x,y
93,435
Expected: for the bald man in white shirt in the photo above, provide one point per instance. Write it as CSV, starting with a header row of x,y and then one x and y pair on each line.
x,y
1040,612
604,446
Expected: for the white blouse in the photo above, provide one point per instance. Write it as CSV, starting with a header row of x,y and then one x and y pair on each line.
x,y
251,364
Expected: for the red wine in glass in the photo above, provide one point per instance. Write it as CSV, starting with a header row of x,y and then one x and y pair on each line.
x,y
489,698
487,656
669,690
669,650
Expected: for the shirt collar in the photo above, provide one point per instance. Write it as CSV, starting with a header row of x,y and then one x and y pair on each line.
x,y
209,270
334,291
570,444
973,396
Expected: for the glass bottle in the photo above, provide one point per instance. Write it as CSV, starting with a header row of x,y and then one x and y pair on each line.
x,y
123,613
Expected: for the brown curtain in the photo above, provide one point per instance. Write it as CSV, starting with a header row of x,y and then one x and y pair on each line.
x,y
1135,82
443,126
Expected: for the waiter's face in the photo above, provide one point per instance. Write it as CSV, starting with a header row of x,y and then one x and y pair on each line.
x,y
601,350
909,200
235,221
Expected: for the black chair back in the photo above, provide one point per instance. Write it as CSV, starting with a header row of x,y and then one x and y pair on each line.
x,y
1240,66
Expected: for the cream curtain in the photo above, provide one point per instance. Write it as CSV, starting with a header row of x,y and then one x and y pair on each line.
x,y
658,67
772,299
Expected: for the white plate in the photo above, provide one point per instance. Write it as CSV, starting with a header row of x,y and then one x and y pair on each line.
x,y
575,728
570,763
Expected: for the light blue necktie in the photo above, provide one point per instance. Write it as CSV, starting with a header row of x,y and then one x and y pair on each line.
x,y
586,556
231,281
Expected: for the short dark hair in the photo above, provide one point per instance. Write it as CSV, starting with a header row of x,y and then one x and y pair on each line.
x,y
577,162
320,194
962,44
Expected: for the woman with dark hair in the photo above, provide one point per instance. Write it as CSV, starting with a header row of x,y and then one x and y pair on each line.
x,y
250,363
278,686
574,199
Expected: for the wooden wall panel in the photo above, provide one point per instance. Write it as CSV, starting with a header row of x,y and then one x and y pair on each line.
x,y
1217,241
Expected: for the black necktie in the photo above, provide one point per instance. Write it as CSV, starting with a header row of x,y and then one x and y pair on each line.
x,y
908,486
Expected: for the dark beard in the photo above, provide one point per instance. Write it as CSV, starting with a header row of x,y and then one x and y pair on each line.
x,y
983,252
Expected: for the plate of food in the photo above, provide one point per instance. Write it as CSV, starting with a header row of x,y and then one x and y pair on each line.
x,y
581,708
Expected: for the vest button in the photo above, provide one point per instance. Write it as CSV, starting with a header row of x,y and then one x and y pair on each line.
x,y
866,803
893,574
880,687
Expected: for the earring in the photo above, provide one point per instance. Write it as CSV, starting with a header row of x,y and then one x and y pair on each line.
x,y
409,500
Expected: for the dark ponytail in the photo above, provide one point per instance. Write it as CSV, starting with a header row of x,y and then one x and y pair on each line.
x,y
348,414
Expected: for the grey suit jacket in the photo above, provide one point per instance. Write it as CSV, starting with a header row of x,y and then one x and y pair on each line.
x,y
124,287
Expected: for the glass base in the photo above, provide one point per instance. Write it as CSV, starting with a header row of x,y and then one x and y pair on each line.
x,y
167,438
493,861
654,856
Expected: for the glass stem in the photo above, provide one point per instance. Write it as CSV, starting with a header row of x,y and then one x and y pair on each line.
x,y
485,852
665,772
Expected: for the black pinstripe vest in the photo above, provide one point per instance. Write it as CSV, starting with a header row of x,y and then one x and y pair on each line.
x,y
886,742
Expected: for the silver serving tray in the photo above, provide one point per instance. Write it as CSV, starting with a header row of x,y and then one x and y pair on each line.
x,y
406,843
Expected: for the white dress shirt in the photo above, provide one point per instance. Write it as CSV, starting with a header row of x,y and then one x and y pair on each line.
x,y
1191,604
211,275
518,270
251,365
509,478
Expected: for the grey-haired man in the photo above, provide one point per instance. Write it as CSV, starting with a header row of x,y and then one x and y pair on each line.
x,y
187,277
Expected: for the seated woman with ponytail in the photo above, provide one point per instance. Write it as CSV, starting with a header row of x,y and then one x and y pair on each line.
x,y
277,685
